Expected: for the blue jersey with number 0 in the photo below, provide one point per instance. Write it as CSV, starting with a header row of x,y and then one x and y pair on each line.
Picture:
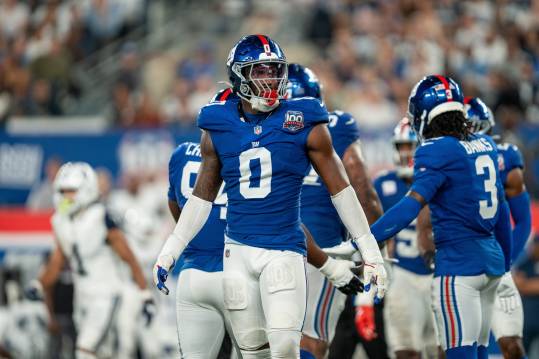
x,y
461,183
317,210
390,189
263,165
509,158
205,251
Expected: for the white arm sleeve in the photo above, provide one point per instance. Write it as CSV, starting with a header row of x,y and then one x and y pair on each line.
x,y
194,215
355,221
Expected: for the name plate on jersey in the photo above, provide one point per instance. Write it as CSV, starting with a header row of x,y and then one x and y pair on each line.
x,y
293,121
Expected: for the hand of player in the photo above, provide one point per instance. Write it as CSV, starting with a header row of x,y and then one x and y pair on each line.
x,y
148,307
374,274
507,294
160,272
339,273
34,291
344,250
365,323
428,258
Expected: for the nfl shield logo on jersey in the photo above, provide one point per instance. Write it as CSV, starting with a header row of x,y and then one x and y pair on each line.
x,y
293,121
257,130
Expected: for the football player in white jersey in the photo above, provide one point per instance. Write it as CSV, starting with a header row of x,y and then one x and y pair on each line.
x,y
88,239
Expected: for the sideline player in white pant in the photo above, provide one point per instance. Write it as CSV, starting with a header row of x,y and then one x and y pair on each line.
x,y
261,146
408,315
87,237
455,172
324,302
508,317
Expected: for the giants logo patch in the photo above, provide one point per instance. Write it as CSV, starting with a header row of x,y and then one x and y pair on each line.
x,y
293,121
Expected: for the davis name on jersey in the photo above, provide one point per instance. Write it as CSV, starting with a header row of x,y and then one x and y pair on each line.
x,y
390,189
205,251
264,160
468,204
317,210
509,158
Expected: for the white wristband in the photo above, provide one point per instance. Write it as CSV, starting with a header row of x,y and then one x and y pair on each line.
x,y
355,221
194,215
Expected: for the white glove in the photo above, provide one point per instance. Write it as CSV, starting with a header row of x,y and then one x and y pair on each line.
x,y
507,293
344,250
340,275
161,268
375,274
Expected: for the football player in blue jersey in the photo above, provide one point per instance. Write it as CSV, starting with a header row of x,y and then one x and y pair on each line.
x,y
324,302
409,318
508,317
261,146
200,314
456,173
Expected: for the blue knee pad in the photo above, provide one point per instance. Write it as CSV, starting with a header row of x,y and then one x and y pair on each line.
x,y
303,354
465,352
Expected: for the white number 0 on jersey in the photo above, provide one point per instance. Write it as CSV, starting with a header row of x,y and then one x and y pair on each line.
x,y
264,187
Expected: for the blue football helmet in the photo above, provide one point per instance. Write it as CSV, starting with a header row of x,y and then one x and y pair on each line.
x,y
405,142
480,117
302,82
257,69
430,97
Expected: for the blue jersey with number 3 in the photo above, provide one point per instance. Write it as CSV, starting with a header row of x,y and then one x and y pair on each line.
x,y
205,251
390,189
263,165
509,158
317,211
461,183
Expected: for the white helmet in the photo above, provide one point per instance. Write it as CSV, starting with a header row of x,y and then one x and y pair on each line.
x,y
404,160
77,176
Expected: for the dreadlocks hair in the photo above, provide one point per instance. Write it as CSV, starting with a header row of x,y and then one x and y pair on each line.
x,y
451,123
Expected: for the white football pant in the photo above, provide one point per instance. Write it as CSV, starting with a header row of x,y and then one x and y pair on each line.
x,y
463,306
94,316
265,293
408,314
325,304
200,314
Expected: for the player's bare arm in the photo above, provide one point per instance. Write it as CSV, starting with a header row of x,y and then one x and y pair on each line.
x,y
425,240
119,244
325,160
417,197
315,255
330,168
209,178
50,274
337,271
515,183
194,214
356,170
47,280
174,209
